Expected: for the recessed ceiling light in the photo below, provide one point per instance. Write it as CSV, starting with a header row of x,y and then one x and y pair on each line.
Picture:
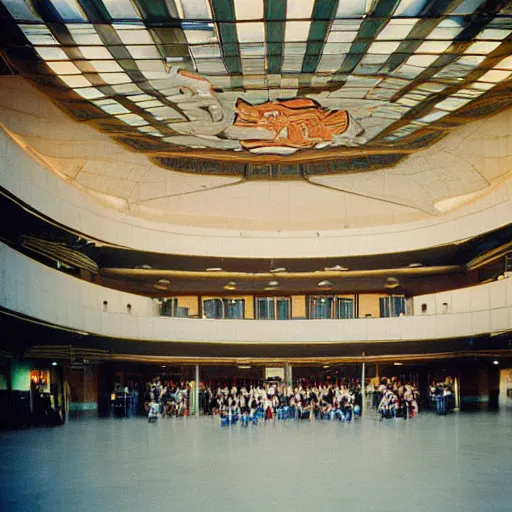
x,y
495,362
144,267
415,265
392,282
54,363
244,366
325,284
277,269
273,283
163,366
398,364
230,286
336,268
214,269
164,282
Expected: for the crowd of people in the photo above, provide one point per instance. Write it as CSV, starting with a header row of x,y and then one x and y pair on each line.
x,y
342,400
253,403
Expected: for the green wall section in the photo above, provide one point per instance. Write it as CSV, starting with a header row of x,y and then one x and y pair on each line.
x,y
21,375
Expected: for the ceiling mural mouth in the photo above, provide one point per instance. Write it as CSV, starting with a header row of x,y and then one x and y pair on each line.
x,y
266,88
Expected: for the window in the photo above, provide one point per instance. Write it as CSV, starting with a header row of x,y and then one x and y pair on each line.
x,y
168,307
271,308
345,308
224,308
393,305
321,307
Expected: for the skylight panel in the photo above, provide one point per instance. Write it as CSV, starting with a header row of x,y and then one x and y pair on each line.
x,y
494,34
64,68
423,61
467,7
204,35
20,11
337,36
207,51
129,88
75,81
506,63
121,9
115,78
436,47
106,66
132,119
297,30
38,34
150,131
299,9
351,8
68,10
384,47
133,35
432,117
397,29
111,106
482,47
495,76
51,53
140,98
251,32
249,9
84,35
95,52
410,7
147,51
193,9
90,93
449,28
453,103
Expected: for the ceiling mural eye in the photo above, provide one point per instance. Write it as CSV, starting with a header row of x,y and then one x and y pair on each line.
x,y
291,85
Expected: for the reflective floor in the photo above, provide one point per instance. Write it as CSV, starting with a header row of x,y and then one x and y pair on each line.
x,y
458,462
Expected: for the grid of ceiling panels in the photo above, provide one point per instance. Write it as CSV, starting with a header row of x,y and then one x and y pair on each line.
x,y
421,59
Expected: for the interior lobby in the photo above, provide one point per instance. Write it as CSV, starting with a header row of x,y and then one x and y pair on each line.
x,y
304,205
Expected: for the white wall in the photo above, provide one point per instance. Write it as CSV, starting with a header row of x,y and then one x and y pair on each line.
x,y
51,195
33,289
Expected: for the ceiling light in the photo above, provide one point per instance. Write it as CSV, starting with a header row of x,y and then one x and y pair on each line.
x,y
144,267
325,284
415,265
55,363
398,364
392,282
230,286
170,60
244,366
164,282
163,366
326,366
214,269
495,362
277,269
273,283
336,268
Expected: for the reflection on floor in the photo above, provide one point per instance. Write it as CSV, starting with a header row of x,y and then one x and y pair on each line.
x,y
458,462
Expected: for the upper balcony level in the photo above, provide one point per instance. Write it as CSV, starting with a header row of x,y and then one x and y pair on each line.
x,y
32,289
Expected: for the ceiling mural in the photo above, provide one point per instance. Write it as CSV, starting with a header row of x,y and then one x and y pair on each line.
x,y
266,88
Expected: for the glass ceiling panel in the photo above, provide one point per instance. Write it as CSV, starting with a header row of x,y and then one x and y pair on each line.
x,y
121,9
20,11
202,61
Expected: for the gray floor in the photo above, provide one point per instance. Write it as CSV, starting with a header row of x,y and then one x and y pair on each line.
x,y
459,462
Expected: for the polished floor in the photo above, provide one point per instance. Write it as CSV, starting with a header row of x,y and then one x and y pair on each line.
x,y
461,462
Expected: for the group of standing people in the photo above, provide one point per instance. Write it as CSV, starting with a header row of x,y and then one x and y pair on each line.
x,y
394,399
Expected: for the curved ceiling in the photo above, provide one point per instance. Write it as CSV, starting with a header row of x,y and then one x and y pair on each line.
x,y
264,115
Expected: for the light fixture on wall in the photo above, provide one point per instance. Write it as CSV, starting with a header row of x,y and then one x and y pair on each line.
x,y
336,268
214,269
277,270
230,286
272,285
143,267
244,366
415,265
325,284
398,364
391,283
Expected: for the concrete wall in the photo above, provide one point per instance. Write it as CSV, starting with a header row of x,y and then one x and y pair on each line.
x,y
38,291
30,181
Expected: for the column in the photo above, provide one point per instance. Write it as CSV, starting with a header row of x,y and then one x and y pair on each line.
x,y
288,380
363,388
196,391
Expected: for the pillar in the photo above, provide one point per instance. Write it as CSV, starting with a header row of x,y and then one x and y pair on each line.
x,y
363,388
196,392
288,379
